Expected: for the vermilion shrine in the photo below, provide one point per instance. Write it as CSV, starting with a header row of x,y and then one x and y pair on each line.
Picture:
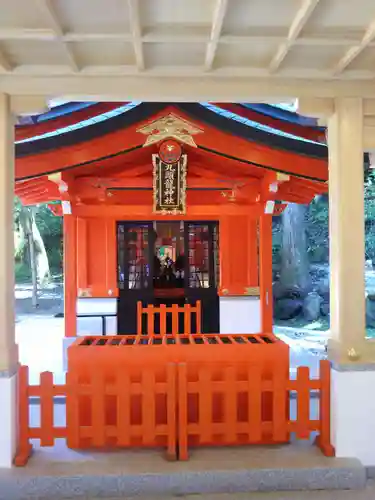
x,y
172,204
168,238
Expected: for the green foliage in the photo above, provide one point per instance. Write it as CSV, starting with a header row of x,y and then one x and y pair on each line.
x,y
22,272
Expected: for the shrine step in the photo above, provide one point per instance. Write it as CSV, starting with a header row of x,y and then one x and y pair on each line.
x,y
60,473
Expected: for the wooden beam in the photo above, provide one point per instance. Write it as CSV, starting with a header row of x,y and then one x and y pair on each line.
x,y
135,26
144,212
48,12
217,24
356,49
304,12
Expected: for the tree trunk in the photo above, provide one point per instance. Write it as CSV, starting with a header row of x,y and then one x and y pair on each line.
x,y
34,271
41,256
295,267
37,253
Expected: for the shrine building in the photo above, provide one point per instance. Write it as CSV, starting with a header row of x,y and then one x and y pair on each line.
x,y
168,158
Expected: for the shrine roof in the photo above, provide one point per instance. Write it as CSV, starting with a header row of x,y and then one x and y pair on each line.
x,y
105,139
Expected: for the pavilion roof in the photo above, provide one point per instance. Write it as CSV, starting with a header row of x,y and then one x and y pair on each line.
x,y
83,138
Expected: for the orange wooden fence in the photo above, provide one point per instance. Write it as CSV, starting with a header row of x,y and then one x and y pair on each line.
x,y
190,312
46,432
227,407
114,412
187,405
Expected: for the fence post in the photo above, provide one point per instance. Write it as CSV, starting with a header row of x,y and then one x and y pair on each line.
x,y
324,438
139,317
198,315
24,449
163,319
182,404
172,411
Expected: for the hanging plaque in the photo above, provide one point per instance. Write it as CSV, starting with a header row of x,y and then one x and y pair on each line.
x,y
169,186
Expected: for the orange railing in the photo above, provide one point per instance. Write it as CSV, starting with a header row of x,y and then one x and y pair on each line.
x,y
177,407
102,412
46,432
189,313
237,406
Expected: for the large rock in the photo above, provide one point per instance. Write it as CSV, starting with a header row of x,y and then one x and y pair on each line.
x,y
370,312
324,309
323,288
287,308
311,306
281,291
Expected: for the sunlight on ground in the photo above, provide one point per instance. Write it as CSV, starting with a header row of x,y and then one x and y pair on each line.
x,y
40,346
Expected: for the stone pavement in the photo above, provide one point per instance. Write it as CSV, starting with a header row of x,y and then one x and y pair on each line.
x,y
368,494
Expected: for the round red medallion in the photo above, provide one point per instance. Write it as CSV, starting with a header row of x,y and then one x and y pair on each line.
x,y
170,151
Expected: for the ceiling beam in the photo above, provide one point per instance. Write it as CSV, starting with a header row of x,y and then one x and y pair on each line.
x,y
217,25
47,10
175,35
135,26
202,88
356,49
303,14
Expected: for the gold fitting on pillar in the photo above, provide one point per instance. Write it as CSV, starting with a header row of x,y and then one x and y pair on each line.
x,y
225,291
353,355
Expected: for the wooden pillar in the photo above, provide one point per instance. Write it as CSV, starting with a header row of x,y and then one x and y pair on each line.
x,y
8,348
70,275
346,225
81,253
265,272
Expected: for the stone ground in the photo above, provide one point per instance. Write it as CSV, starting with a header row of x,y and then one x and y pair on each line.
x,y
368,494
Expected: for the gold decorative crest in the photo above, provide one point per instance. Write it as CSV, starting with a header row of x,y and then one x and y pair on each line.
x,y
170,127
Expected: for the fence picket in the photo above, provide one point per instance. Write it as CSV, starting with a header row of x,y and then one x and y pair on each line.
x,y
205,404
303,402
163,319
182,405
123,408
187,319
148,405
24,447
175,312
280,405
150,320
171,411
254,396
97,391
198,316
46,409
139,318
72,410
230,404
324,438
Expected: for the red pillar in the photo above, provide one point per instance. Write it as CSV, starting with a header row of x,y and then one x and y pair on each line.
x,y
70,275
265,272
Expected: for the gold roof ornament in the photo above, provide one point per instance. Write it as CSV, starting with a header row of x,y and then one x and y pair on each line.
x,y
168,127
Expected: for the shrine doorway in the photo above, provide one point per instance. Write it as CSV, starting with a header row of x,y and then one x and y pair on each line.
x,y
174,262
